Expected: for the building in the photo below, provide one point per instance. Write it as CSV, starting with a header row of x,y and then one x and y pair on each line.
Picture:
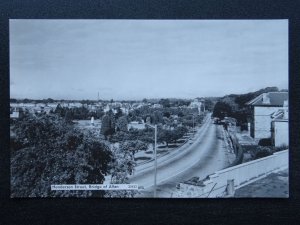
x,y
136,125
262,107
14,114
198,104
157,106
280,127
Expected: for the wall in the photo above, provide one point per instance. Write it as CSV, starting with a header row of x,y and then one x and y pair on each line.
x,y
281,131
217,184
262,121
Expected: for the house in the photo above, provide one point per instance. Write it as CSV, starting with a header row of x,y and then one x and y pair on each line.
x,y
136,125
157,106
125,110
280,126
198,104
14,113
262,107
195,103
52,105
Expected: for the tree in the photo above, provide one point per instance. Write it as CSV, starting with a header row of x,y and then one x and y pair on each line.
x,y
59,110
119,113
209,105
132,116
133,146
121,165
221,110
148,119
68,116
180,114
99,113
107,126
165,102
50,100
167,114
188,121
122,124
54,152
157,117
35,130
13,100
81,113
166,136
179,132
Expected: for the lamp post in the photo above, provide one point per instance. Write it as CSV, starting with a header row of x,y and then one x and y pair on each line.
x,y
193,123
155,156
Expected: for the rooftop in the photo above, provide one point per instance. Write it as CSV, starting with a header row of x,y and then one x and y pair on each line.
x,y
274,99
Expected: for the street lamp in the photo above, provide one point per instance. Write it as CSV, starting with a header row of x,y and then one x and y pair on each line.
x,y
193,123
155,155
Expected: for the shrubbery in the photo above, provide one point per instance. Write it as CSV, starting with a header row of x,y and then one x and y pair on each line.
x,y
265,142
262,152
47,150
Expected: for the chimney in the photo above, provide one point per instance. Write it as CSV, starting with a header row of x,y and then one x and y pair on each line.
x,y
266,99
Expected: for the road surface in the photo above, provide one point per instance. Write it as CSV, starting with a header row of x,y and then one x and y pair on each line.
x,y
201,158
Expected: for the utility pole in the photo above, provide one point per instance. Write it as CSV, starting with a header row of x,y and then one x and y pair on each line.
x,y
155,157
194,124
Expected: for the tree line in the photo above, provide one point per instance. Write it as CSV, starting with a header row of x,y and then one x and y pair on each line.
x,y
235,106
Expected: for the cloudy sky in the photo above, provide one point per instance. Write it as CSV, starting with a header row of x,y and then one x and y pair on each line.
x,y
135,59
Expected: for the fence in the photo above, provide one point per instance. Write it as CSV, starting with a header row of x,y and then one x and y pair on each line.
x,y
220,183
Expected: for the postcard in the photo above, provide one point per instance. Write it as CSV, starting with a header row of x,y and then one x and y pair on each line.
x,y
149,108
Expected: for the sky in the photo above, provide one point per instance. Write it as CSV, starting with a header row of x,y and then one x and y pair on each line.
x,y
136,59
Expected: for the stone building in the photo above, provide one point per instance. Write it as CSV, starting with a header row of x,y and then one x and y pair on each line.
x,y
262,108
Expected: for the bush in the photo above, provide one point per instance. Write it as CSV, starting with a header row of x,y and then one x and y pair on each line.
x,y
281,148
265,142
263,152
244,126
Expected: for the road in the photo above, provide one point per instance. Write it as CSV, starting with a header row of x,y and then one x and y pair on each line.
x,y
205,156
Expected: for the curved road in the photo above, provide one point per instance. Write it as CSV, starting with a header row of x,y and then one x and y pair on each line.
x,y
205,156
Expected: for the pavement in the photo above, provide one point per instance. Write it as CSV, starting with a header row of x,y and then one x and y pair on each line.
x,y
275,185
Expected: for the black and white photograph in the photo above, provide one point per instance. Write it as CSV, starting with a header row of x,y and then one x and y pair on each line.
x,y
113,108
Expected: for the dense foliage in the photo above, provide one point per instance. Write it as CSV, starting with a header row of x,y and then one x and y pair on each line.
x,y
108,124
265,142
221,110
46,150
121,166
80,113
